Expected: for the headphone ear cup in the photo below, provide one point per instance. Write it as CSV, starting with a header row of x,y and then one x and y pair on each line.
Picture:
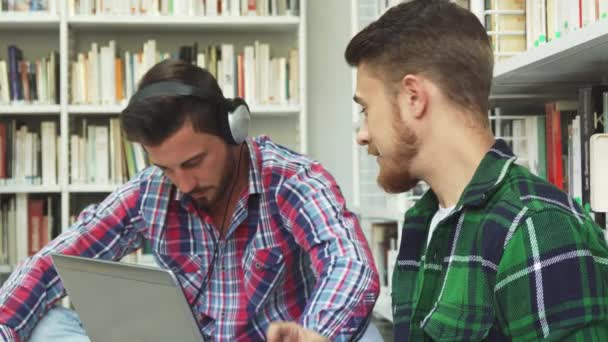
x,y
239,120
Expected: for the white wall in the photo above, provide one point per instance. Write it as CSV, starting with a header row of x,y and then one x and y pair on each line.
x,y
330,91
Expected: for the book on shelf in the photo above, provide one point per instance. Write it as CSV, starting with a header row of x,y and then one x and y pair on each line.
x,y
383,245
210,8
100,154
515,26
558,147
49,6
252,73
29,82
27,224
28,157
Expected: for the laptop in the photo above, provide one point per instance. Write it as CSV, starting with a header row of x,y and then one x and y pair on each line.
x,y
126,302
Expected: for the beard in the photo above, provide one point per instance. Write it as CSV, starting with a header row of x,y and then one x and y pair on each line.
x,y
395,176
216,194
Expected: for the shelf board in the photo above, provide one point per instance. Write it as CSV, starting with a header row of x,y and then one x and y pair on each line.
x,y
6,269
28,21
92,188
383,304
267,110
28,189
29,109
558,67
243,23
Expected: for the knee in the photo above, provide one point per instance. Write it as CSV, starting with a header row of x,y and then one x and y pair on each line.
x,y
57,324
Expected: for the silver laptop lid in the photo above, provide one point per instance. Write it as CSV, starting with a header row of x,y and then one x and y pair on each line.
x,y
125,302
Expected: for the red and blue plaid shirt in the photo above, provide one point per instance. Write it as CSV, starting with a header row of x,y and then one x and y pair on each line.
x,y
292,252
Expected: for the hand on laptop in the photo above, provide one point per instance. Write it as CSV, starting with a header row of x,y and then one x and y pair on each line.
x,y
292,332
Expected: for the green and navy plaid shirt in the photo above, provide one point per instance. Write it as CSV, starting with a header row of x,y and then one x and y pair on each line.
x,y
517,259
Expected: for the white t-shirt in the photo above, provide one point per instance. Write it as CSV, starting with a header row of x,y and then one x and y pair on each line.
x,y
439,215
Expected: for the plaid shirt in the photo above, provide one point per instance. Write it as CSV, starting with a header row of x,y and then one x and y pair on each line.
x,y
517,259
292,252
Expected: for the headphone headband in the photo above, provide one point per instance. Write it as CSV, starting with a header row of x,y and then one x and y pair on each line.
x,y
234,116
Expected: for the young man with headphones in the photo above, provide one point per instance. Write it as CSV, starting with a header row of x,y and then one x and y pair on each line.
x,y
254,232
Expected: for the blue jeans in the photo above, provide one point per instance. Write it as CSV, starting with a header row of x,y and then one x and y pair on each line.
x,y
63,325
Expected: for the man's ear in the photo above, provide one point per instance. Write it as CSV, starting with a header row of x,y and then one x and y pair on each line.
x,y
413,97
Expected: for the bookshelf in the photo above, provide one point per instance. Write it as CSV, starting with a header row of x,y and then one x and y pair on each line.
x,y
70,33
556,68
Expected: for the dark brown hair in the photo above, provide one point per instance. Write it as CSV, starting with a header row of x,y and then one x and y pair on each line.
x,y
152,120
435,38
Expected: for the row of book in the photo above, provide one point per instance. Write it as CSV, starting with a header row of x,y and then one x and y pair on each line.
x,y
101,155
28,6
555,145
517,25
99,77
28,157
27,223
185,7
32,82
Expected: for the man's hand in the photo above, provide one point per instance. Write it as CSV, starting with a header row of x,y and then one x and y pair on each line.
x,y
292,332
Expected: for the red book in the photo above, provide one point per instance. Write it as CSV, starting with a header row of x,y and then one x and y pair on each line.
x,y
241,75
555,168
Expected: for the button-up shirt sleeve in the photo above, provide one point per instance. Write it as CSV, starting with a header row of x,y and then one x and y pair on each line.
x,y
552,280
104,231
347,283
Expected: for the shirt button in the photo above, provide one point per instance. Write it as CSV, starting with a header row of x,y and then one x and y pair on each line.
x,y
257,265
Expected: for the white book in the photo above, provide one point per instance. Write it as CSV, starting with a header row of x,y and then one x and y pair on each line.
x,y
249,74
265,73
200,60
75,159
128,75
82,79
577,174
294,76
12,231
225,9
112,72
4,85
39,83
228,69
22,223
28,147
589,12
211,8
93,81
140,160
83,174
602,9
49,151
91,157
235,8
3,242
274,7
282,96
258,72
102,155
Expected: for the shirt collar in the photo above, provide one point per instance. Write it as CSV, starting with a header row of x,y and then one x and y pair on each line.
x,y
488,177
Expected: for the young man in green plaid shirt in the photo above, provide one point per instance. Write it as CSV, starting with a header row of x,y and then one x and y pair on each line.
x,y
492,252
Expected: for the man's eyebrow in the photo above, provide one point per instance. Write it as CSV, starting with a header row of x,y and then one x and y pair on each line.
x,y
184,162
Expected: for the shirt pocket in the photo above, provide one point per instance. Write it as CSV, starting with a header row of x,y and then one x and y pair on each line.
x,y
459,322
263,271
